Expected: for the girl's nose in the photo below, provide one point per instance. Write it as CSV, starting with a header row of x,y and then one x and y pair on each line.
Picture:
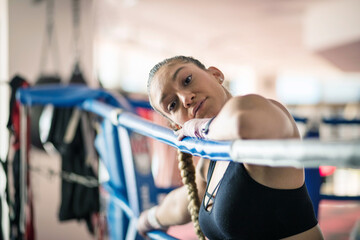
x,y
187,99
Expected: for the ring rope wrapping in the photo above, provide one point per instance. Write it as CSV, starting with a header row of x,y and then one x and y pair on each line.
x,y
151,217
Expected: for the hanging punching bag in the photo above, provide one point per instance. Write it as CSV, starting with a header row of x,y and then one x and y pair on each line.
x,y
38,131
38,112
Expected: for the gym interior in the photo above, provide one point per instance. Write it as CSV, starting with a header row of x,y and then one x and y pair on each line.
x,y
304,54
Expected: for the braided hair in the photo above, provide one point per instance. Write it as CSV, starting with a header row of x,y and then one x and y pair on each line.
x,y
187,170
186,165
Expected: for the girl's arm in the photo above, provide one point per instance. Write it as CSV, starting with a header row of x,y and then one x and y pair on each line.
x,y
252,117
173,210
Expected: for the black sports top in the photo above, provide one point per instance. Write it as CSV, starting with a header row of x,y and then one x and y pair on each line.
x,y
246,209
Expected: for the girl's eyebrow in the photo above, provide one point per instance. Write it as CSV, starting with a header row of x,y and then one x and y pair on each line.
x,y
163,96
176,73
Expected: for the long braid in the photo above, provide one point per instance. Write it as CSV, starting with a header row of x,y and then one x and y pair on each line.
x,y
185,160
187,170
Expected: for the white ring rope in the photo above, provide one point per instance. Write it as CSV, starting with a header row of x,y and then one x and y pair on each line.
x,y
297,153
277,153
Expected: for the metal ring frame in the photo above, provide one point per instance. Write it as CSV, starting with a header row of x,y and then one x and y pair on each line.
x,y
279,153
293,153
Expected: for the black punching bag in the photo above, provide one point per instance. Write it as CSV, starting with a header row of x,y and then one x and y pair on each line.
x,y
36,112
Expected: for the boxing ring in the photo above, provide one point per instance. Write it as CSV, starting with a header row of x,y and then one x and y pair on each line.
x,y
119,119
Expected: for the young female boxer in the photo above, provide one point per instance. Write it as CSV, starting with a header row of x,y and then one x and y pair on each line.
x,y
227,200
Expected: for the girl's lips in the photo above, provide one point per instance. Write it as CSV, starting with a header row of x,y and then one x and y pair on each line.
x,y
197,107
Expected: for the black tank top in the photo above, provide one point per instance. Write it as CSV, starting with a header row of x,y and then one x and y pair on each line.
x,y
246,209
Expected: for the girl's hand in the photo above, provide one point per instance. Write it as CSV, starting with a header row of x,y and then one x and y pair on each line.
x,y
196,127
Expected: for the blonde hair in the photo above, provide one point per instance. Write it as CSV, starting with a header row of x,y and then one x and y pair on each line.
x,y
187,171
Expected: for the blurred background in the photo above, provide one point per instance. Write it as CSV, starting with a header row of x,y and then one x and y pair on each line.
x,y
304,53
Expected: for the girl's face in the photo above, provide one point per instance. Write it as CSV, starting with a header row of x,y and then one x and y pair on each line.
x,y
183,91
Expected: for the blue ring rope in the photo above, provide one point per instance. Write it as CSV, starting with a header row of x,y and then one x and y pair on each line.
x,y
246,151
219,150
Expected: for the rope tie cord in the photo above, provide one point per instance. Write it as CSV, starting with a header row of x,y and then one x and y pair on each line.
x,y
187,170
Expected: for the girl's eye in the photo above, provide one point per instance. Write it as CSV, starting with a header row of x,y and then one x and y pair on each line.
x,y
187,80
172,106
